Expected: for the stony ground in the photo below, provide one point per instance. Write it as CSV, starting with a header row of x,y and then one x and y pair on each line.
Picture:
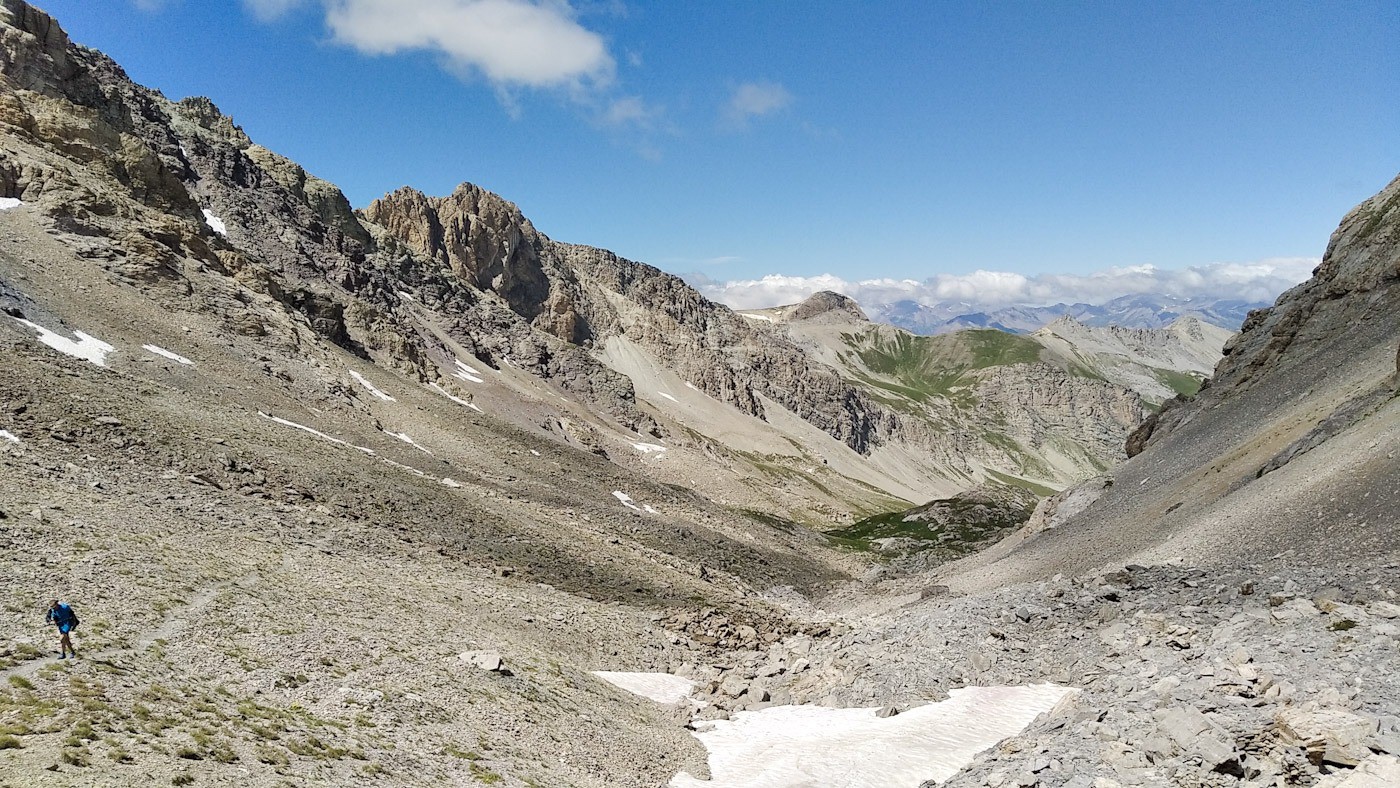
x,y
1273,674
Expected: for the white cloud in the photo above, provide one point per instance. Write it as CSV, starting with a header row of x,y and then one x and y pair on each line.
x,y
1257,281
755,100
511,43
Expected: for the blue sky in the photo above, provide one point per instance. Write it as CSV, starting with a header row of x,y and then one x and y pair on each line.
x,y
882,140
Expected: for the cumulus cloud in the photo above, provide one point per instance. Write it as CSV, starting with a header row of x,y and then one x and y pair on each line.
x,y
511,43
755,100
1256,281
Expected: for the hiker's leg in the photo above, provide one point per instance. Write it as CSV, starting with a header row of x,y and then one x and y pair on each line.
x,y
66,645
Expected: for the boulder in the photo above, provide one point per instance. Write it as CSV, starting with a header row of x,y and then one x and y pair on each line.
x,y
1329,735
485,660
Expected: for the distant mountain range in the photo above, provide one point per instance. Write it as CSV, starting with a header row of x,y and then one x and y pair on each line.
x,y
1132,311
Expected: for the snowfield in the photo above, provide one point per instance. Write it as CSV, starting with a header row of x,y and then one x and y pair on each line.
x,y
660,687
162,352
458,400
648,448
403,436
800,746
6,203
215,223
370,387
468,374
86,346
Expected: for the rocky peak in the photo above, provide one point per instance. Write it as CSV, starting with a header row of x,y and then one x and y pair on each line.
x,y
829,307
33,48
1061,325
202,112
1188,327
479,236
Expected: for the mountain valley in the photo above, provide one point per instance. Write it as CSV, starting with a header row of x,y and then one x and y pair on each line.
x,y
413,494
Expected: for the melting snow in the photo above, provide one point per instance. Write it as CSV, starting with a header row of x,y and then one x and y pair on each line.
x,y
793,746
451,482
668,396
86,347
376,392
6,203
647,508
763,318
160,351
626,500
458,400
315,432
6,435
403,436
466,373
215,223
532,451
648,448
660,687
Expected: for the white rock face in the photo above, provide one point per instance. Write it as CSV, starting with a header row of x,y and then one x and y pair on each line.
x,y
798,746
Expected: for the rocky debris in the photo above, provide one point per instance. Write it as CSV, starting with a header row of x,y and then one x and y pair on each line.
x,y
1185,679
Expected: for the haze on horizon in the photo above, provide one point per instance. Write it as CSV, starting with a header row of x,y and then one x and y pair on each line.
x,y
996,154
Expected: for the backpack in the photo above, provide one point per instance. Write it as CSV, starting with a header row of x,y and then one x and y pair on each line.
x,y
66,613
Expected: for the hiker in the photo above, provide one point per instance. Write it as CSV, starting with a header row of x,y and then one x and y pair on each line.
x,y
66,620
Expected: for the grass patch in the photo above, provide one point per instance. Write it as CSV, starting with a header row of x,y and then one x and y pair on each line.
x,y
20,682
1183,383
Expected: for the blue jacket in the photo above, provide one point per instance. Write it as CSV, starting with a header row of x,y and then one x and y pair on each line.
x,y
61,615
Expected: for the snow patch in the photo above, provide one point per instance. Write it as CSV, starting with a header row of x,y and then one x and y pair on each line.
x,y
215,223
646,507
532,451
660,687
626,500
370,386
176,357
668,396
466,373
451,482
86,346
6,435
7,203
793,746
403,467
648,448
760,318
691,386
458,400
315,432
403,436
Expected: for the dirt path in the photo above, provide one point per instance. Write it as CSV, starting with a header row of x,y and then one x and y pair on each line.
x,y
175,621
